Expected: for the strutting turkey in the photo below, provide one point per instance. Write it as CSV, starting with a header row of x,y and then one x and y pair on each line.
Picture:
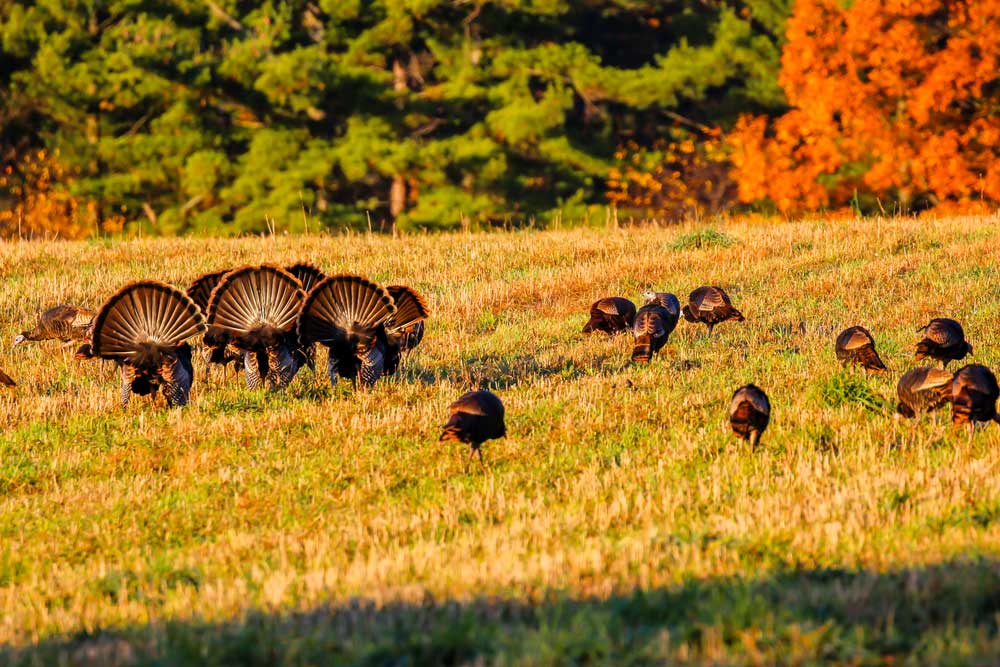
x,y
923,389
217,350
613,314
974,394
857,346
710,305
405,329
349,315
473,419
653,324
749,413
64,322
144,328
944,340
255,309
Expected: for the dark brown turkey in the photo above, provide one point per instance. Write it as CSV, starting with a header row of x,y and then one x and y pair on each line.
x,y
710,305
6,379
473,419
254,309
857,346
653,325
923,389
144,329
308,275
944,340
349,315
65,322
405,329
749,413
974,395
217,349
613,314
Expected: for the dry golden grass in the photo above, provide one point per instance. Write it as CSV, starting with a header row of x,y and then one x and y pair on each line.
x,y
614,478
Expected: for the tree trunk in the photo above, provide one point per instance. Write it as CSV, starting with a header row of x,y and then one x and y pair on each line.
x,y
397,191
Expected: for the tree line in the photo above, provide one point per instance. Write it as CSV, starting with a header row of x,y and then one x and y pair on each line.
x,y
223,117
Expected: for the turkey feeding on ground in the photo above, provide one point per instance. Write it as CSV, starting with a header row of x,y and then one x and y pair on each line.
x,y
923,389
653,325
613,314
944,340
64,322
710,305
217,349
405,329
974,395
749,413
473,419
857,346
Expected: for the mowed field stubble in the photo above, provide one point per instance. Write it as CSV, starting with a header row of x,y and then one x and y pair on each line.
x,y
620,522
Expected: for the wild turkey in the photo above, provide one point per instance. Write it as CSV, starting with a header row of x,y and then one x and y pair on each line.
x,y
405,329
974,394
307,274
923,389
348,314
749,413
857,346
651,330
65,322
613,314
143,329
710,306
474,418
665,299
217,351
254,309
6,379
943,340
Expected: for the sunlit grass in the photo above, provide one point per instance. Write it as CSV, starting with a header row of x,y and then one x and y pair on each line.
x,y
248,520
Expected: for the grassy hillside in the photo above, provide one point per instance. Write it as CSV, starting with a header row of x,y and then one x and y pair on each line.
x,y
619,523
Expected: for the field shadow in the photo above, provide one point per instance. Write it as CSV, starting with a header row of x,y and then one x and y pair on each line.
x,y
945,613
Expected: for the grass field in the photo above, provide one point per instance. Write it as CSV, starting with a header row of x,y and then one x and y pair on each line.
x,y
620,522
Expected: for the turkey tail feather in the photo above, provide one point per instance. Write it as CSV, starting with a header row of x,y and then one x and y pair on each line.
x,y
142,316
308,274
255,299
410,307
201,289
344,308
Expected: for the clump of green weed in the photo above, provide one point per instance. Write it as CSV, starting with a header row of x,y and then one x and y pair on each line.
x,y
847,387
703,238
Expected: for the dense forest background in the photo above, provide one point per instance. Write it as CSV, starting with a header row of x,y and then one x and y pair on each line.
x,y
222,117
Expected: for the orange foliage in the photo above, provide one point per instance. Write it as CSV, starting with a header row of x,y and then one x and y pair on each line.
x,y
893,98
41,206
677,178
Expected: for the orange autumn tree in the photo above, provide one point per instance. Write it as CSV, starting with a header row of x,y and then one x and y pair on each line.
x,y
35,203
893,99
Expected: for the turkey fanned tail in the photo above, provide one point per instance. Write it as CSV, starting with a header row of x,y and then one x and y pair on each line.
x,y
144,329
349,315
254,309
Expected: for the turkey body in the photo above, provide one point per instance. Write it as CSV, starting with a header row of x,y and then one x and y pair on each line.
x,y
710,305
944,341
613,314
923,389
143,328
405,328
474,418
749,413
254,309
651,330
64,322
857,346
974,395
348,315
